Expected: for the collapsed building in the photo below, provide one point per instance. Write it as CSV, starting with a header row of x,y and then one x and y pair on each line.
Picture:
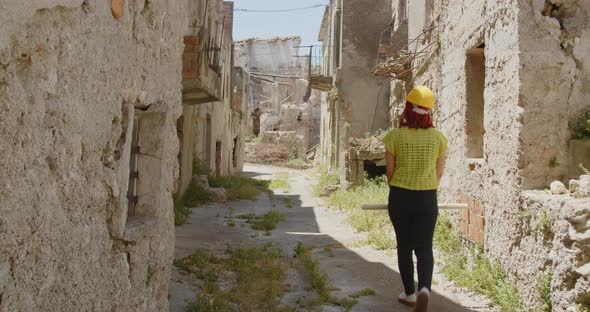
x,y
356,106
282,109
510,78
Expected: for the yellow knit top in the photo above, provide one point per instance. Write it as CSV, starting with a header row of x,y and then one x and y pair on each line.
x,y
416,152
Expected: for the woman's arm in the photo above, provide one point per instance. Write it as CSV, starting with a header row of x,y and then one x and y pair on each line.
x,y
440,166
390,163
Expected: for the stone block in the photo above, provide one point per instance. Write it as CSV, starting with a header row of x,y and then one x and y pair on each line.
x,y
579,154
117,8
150,127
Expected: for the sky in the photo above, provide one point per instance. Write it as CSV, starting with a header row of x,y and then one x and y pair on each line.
x,y
305,23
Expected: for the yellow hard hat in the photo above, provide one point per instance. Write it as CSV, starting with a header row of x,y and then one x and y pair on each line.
x,y
421,96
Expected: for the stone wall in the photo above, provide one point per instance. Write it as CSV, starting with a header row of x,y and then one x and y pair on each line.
x,y
532,68
555,85
72,81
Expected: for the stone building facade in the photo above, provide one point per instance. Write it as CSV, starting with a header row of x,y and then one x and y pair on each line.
x,y
282,109
510,76
212,126
89,98
354,102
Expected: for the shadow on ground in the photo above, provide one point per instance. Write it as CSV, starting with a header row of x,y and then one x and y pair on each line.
x,y
350,266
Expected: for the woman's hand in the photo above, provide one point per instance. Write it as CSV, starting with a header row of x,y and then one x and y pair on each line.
x,y
440,166
390,163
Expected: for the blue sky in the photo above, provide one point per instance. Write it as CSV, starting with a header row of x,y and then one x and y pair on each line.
x,y
304,23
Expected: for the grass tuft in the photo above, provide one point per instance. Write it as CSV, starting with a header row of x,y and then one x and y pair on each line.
x,y
325,178
376,223
239,187
544,291
470,268
280,182
257,279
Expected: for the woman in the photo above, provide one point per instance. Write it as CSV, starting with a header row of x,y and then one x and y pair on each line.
x,y
415,158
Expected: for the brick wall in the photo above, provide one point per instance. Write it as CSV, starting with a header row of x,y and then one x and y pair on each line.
x,y
190,57
228,8
472,221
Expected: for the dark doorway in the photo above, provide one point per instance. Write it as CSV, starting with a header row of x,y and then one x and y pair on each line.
x,y
256,117
208,143
180,133
234,153
372,170
218,158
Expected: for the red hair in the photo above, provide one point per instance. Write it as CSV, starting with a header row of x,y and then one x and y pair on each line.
x,y
413,120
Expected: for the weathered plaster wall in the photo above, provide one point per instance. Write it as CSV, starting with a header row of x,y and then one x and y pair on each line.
x,y
270,56
70,76
493,180
364,108
525,122
555,86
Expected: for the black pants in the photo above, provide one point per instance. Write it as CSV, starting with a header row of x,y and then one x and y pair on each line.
x,y
414,214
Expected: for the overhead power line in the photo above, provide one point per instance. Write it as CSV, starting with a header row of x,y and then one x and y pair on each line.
x,y
283,10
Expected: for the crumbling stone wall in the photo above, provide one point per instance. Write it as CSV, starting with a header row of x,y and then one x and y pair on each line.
x,y
554,83
72,80
280,98
533,86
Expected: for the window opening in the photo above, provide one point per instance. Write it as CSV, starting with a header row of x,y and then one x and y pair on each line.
x,y
234,153
132,191
475,87
218,158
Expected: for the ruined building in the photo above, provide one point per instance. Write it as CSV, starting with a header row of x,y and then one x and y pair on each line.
x,y
355,104
89,98
282,109
510,78
212,126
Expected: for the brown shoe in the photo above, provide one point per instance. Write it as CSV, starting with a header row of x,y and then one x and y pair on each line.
x,y
422,300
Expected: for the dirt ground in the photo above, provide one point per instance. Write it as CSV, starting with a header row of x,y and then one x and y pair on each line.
x,y
350,265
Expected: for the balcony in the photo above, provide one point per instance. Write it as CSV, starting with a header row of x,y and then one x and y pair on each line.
x,y
398,55
318,60
201,78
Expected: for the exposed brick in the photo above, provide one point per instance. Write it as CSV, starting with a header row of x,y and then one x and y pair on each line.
x,y
477,221
479,237
464,228
193,40
465,215
190,74
477,208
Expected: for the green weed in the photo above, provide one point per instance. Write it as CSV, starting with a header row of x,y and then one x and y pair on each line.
x,y
469,268
581,127
376,223
325,178
257,280
363,293
280,181
239,187
319,282
268,221
544,291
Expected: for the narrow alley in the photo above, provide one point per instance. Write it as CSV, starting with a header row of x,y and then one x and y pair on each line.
x,y
294,155
344,255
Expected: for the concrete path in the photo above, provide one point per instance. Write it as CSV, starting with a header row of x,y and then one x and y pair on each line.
x,y
350,266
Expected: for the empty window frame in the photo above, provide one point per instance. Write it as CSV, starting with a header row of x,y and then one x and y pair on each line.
x,y
475,85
